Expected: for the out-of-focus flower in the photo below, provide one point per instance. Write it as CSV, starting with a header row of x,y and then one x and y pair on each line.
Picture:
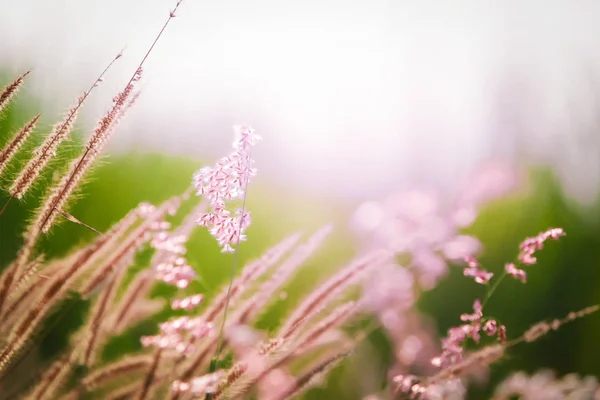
x,y
416,222
187,303
515,272
390,288
532,244
477,313
474,271
176,272
544,385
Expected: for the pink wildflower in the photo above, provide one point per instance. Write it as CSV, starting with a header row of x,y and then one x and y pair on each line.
x,y
163,241
473,270
480,276
515,272
176,272
477,314
187,303
490,327
532,244
224,182
175,334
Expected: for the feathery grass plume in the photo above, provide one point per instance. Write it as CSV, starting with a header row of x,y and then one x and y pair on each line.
x,y
46,379
44,152
123,312
149,378
478,359
13,146
144,280
60,193
10,90
542,328
112,376
275,357
252,306
128,246
336,317
95,320
65,369
311,376
126,365
546,385
23,289
100,136
48,148
250,272
52,292
90,253
126,392
25,327
333,286
231,376
30,270
8,275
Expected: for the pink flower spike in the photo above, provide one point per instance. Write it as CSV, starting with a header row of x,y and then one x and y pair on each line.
x,y
187,303
515,272
490,327
530,245
224,182
471,262
477,314
481,277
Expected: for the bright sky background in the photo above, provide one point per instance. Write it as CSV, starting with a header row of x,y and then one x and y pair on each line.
x,y
355,96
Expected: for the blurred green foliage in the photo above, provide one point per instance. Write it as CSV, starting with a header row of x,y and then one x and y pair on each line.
x,y
566,278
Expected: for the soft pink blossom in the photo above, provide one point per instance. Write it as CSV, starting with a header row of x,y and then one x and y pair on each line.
x,y
530,245
224,182
515,272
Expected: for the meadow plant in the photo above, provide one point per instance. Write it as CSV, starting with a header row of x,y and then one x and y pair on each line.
x,y
211,348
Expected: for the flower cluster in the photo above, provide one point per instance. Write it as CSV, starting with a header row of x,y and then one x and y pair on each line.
x,y
187,303
175,272
226,181
419,223
532,244
452,361
176,334
415,223
474,271
452,344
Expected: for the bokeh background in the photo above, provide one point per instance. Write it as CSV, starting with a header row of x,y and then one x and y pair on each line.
x,y
354,100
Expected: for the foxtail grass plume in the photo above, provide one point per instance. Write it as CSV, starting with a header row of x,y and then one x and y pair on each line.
x,y
10,90
16,142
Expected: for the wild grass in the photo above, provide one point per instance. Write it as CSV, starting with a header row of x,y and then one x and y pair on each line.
x,y
211,347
